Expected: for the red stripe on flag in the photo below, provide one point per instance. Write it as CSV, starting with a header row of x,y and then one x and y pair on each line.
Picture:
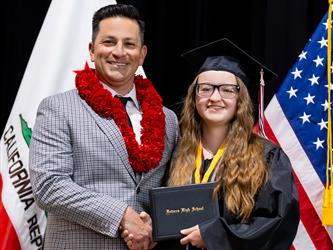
x,y
311,220
8,237
309,217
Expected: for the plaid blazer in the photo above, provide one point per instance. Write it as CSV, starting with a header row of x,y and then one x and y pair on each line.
x,y
81,175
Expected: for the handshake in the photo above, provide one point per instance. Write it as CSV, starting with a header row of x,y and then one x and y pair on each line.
x,y
136,230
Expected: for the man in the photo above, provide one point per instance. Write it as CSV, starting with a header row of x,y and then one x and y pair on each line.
x,y
94,157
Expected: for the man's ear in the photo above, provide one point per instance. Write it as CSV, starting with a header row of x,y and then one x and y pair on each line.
x,y
143,54
91,51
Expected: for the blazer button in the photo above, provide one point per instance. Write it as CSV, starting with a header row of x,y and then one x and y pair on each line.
x,y
138,190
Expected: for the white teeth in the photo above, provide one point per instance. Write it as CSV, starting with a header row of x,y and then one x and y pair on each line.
x,y
118,63
215,107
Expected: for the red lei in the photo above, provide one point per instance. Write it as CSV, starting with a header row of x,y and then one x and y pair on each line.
x,y
146,156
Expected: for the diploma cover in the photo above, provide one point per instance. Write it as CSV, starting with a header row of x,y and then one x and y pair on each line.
x,y
180,207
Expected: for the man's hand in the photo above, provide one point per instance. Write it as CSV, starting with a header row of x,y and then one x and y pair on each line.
x,y
147,219
137,232
193,236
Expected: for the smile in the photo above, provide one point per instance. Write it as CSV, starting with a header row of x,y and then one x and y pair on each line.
x,y
118,64
215,108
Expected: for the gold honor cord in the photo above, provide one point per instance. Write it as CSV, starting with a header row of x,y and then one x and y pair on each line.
x,y
198,164
327,217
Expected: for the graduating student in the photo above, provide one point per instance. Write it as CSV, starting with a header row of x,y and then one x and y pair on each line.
x,y
257,195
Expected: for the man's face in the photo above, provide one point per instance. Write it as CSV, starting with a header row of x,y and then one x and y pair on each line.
x,y
117,52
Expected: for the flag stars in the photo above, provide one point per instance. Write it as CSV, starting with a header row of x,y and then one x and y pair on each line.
x,y
323,42
305,118
292,92
319,61
322,124
309,99
302,55
331,86
314,80
326,24
325,105
297,73
318,143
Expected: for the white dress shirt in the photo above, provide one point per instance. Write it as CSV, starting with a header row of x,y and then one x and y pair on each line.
x,y
133,110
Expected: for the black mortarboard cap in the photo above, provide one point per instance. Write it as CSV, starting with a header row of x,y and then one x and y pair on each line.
x,y
224,55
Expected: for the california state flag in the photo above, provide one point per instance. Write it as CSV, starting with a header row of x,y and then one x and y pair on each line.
x,y
61,47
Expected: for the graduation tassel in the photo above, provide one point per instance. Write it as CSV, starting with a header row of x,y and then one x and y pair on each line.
x,y
327,216
261,117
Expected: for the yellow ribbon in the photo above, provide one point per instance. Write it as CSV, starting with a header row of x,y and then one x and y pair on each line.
x,y
198,163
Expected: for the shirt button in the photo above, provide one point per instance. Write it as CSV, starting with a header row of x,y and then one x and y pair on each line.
x,y
138,190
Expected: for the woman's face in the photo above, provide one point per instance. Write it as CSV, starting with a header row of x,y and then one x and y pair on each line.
x,y
219,108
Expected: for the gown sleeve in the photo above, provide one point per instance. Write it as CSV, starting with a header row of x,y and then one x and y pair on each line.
x,y
274,220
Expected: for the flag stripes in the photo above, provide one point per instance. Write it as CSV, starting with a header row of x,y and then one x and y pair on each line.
x,y
309,186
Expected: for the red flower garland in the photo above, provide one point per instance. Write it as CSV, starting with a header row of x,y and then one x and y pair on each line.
x,y
146,156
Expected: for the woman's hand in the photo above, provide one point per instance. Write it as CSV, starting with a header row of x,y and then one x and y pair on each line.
x,y
193,236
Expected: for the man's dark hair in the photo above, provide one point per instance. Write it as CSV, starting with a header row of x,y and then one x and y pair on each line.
x,y
117,10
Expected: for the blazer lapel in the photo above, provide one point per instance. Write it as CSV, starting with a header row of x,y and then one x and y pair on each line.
x,y
112,132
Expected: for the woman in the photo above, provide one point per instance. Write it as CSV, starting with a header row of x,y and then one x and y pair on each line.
x,y
254,183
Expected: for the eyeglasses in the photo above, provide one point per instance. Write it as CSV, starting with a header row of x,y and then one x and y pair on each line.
x,y
227,91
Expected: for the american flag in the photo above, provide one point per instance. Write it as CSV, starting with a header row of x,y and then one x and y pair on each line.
x,y
296,119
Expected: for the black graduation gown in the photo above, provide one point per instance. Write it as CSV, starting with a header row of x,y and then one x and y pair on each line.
x,y
273,222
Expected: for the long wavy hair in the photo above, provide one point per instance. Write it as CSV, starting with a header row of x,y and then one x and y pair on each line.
x,y
242,171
